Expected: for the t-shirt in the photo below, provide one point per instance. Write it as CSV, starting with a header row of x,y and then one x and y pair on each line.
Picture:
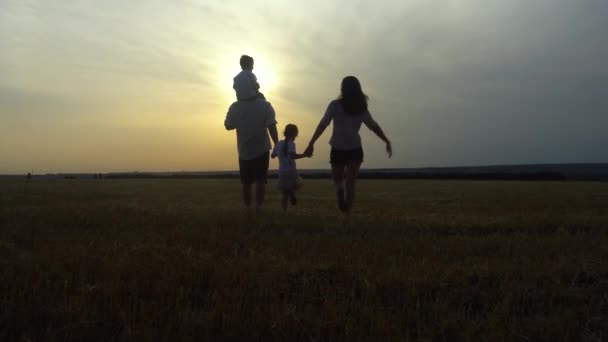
x,y
286,163
245,85
251,120
345,134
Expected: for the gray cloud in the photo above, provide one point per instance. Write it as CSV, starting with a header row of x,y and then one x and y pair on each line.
x,y
478,82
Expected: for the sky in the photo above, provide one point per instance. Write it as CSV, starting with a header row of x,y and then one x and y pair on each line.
x,y
91,86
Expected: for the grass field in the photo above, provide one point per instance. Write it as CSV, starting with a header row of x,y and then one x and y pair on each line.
x,y
166,260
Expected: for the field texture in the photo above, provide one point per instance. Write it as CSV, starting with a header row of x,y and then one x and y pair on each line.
x,y
168,260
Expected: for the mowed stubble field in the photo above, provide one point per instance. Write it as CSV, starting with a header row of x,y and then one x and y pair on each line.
x,y
168,260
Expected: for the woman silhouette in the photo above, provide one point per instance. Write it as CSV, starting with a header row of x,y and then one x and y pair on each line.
x,y
347,113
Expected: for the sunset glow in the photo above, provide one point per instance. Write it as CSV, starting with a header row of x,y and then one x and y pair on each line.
x,y
123,86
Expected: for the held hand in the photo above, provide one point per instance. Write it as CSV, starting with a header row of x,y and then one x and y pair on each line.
x,y
389,149
273,155
309,150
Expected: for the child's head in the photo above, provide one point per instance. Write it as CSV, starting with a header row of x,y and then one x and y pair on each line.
x,y
246,62
291,132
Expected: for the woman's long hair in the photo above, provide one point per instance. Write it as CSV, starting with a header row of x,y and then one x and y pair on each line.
x,y
291,131
352,97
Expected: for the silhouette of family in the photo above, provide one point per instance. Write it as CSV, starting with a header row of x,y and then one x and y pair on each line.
x,y
254,120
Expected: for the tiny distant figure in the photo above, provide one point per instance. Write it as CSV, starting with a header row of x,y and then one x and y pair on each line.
x,y
245,84
28,176
289,179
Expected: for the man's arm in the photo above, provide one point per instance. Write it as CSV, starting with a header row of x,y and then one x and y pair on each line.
x,y
228,123
274,134
271,123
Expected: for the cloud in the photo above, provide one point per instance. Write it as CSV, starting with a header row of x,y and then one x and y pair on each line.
x,y
453,82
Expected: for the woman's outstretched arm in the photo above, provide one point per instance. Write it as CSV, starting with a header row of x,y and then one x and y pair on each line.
x,y
380,133
375,127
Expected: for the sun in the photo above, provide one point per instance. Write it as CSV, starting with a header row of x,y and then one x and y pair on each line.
x,y
264,71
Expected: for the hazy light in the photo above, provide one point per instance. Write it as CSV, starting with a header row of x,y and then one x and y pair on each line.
x,y
145,85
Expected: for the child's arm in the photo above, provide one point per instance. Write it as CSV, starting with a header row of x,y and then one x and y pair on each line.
x,y
254,82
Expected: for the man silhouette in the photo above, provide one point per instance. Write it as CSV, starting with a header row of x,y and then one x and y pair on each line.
x,y
253,121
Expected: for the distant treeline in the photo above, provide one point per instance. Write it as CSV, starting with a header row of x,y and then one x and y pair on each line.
x,y
449,176
532,176
533,172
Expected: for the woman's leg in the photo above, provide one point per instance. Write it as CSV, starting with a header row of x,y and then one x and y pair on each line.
x,y
337,171
352,171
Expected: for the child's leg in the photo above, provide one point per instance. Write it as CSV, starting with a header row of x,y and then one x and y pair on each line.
x,y
284,200
292,197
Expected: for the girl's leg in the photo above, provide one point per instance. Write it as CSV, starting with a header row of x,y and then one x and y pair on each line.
x,y
352,171
292,197
298,186
284,200
337,171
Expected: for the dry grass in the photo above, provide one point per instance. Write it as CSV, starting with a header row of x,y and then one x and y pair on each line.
x,y
145,260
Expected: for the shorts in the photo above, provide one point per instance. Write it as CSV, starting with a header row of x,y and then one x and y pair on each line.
x,y
289,181
345,156
254,170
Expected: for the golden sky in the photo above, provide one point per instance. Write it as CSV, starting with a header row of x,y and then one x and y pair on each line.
x,y
91,86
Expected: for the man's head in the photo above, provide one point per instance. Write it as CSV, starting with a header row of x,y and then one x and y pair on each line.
x,y
246,62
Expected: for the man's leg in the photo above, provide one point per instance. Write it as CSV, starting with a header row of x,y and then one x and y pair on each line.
x,y
260,192
247,195
246,181
261,174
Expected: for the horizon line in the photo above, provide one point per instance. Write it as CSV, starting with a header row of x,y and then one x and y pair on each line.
x,y
312,169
